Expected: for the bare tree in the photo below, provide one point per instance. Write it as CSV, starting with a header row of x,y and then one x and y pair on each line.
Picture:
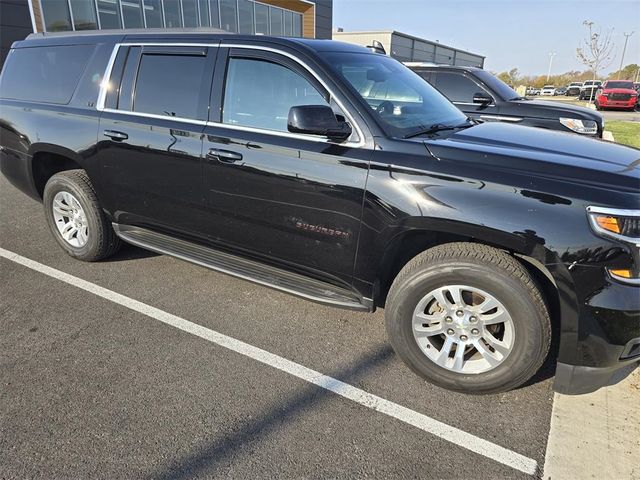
x,y
596,50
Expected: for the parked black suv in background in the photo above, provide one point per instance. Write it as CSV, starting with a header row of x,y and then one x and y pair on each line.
x,y
588,90
482,96
336,174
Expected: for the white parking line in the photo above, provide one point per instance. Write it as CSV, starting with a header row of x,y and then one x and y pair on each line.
x,y
368,400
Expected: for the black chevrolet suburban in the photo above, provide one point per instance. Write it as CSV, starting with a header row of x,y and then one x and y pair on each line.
x,y
338,175
484,97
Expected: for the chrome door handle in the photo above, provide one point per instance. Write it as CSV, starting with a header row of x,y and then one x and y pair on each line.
x,y
115,135
224,156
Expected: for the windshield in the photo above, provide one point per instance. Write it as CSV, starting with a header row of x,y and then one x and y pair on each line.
x,y
404,103
628,85
497,85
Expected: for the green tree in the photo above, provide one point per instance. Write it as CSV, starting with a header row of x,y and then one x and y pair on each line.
x,y
630,72
596,50
512,77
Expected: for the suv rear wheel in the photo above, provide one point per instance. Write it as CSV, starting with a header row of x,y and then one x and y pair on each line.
x,y
75,218
469,318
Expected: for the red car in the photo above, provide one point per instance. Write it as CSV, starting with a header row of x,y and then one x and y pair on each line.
x,y
616,94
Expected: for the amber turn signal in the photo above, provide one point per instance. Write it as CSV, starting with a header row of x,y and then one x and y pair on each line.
x,y
607,223
623,273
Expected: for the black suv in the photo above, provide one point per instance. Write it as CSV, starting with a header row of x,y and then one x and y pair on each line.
x,y
484,97
337,174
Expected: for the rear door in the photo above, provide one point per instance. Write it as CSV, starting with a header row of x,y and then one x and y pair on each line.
x,y
150,135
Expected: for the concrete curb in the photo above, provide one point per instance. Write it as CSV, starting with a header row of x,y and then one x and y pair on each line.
x,y
596,436
607,135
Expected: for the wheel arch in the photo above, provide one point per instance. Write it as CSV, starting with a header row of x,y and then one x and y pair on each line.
x,y
552,277
47,160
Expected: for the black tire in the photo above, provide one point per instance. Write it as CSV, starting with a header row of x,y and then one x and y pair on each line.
x,y
492,271
102,241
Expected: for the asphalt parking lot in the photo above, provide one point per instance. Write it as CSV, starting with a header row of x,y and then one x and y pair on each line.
x,y
94,388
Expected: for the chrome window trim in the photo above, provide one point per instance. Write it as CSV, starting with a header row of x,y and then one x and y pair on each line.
x,y
153,115
102,94
501,118
492,105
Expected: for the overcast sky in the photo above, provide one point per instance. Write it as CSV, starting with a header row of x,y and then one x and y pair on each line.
x,y
510,33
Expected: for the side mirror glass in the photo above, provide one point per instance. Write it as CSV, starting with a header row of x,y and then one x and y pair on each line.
x,y
482,98
317,120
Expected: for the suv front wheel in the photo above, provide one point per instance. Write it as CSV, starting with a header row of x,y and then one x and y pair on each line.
x,y
468,318
76,219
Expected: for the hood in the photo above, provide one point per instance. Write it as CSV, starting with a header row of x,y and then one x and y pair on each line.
x,y
545,153
545,109
629,91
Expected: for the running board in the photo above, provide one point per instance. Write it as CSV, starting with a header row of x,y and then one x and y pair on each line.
x,y
253,271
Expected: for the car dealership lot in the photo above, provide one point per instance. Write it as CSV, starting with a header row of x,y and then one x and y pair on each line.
x,y
92,388
609,115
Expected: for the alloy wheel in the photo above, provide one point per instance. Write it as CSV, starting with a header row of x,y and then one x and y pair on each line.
x,y
463,329
70,219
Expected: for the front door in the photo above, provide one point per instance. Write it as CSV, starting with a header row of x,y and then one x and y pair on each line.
x,y
289,198
150,146
460,89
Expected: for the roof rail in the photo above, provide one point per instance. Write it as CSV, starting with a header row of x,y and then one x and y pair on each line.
x,y
131,31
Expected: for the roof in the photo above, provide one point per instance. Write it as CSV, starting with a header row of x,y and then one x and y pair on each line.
x,y
406,35
186,34
441,65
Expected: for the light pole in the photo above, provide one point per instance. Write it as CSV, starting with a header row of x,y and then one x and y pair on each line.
x,y
551,55
624,49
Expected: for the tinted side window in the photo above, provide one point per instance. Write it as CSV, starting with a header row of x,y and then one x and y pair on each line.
x,y
259,93
428,76
169,85
456,87
44,74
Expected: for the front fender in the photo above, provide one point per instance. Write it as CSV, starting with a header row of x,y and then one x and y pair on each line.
x,y
443,202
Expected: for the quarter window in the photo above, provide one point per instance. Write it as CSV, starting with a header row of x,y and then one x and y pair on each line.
x,y
259,93
169,85
457,88
53,73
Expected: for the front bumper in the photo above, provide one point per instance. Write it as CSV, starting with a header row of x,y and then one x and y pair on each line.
x,y
607,103
577,380
605,346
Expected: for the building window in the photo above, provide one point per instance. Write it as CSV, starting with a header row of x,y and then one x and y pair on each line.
x,y
132,14
57,17
288,23
262,19
205,18
84,15
229,15
190,13
172,14
109,14
215,13
275,16
243,16
297,25
152,13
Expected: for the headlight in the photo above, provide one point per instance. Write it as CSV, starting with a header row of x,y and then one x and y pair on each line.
x,y
588,127
621,225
